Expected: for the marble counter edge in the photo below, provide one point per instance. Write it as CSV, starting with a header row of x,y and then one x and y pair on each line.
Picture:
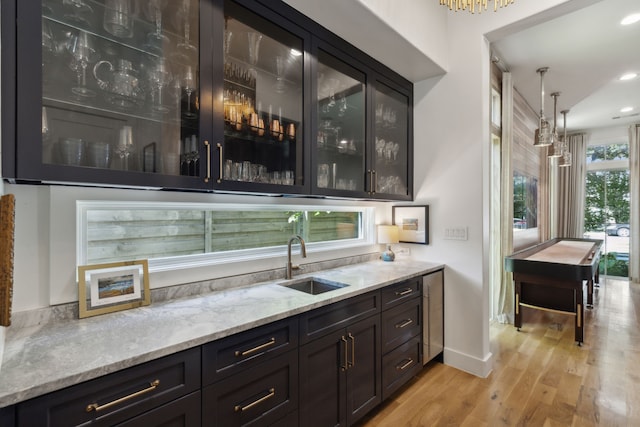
x,y
283,303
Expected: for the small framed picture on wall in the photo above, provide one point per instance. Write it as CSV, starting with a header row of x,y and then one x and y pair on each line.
x,y
413,222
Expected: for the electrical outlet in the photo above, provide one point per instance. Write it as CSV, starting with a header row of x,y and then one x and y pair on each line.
x,y
402,251
456,233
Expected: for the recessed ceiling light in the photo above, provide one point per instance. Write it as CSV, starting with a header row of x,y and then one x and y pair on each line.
x,y
628,76
626,109
630,19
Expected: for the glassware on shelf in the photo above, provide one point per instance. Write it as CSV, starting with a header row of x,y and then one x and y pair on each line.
x,y
83,52
121,86
280,86
156,40
186,52
45,125
159,78
124,149
49,47
77,11
254,50
118,18
189,85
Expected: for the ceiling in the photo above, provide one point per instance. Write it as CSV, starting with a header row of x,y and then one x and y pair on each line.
x,y
586,51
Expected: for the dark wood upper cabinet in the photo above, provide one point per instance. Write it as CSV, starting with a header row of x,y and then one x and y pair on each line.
x,y
230,95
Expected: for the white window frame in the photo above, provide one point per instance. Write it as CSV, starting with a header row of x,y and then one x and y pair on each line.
x,y
366,235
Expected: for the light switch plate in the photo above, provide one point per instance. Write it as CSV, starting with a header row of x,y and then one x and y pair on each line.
x,y
456,233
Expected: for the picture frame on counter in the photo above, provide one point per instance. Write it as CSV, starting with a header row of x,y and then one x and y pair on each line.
x,y
413,223
110,287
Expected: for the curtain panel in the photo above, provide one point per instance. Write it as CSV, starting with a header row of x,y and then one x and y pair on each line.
x,y
634,191
571,189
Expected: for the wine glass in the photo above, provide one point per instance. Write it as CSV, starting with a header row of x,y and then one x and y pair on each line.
x,y
83,52
254,49
189,85
186,51
155,39
159,77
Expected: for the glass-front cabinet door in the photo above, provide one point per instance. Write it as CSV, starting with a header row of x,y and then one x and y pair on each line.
x,y
263,89
391,167
340,126
119,91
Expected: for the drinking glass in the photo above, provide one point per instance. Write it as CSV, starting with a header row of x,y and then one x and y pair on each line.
x,y
118,18
71,151
254,49
83,52
159,78
156,40
186,52
189,84
125,146
98,154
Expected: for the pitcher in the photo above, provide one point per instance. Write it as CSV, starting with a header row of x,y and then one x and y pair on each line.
x,y
122,86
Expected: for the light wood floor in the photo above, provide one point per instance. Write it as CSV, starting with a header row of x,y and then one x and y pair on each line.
x,y
540,376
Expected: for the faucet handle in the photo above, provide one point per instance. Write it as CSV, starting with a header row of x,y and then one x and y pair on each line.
x,y
297,267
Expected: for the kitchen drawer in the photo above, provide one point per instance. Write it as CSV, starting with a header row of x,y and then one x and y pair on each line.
x,y
330,318
183,412
401,323
400,366
396,294
261,395
118,396
241,351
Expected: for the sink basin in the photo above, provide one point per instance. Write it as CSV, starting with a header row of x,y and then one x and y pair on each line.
x,y
314,286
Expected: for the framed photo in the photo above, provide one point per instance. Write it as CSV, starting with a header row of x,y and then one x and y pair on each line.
x,y
413,222
105,288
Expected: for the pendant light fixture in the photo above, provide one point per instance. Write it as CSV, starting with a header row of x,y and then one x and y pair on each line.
x,y
555,149
542,136
565,159
471,4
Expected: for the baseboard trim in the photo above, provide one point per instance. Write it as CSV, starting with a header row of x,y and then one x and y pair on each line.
x,y
467,363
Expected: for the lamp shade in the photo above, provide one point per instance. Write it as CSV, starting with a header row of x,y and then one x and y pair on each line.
x,y
388,234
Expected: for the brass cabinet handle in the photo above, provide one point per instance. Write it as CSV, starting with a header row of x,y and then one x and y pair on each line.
x,y
353,350
240,408
208,177
219,147
405,365
344,366
269,343
375,181
97,407
404,292
404,324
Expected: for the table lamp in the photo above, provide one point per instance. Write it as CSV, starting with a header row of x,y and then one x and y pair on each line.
x,y
388,234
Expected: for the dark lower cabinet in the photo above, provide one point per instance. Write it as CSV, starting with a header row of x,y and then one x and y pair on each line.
x,y
183,412
259,396
340,375
8,416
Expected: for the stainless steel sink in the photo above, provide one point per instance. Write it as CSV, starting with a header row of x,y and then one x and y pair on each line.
x,y
314,286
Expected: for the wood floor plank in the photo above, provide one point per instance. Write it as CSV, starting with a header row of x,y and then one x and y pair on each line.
x,y
540,376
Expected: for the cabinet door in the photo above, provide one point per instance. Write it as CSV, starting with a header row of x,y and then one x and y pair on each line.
x,y
116,87
392,161
364,368
434,328
264,115
323,387
339,134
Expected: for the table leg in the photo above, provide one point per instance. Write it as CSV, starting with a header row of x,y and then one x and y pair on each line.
x,y
517,322
579,330
597,276
589,293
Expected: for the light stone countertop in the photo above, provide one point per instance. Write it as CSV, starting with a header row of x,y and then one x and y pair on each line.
x,y
48,357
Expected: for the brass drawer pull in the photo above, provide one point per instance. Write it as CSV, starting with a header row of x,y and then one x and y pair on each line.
x,y
269,343
405,365
97,407
404,324
345,366
240,408
404,292
353,350
208,177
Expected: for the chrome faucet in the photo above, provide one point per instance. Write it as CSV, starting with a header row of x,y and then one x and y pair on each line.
x,y
303,252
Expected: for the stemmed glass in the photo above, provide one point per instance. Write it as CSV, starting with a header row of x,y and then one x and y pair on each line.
x,y
155,39
189,84
159,77
254,48
186,51
82,52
